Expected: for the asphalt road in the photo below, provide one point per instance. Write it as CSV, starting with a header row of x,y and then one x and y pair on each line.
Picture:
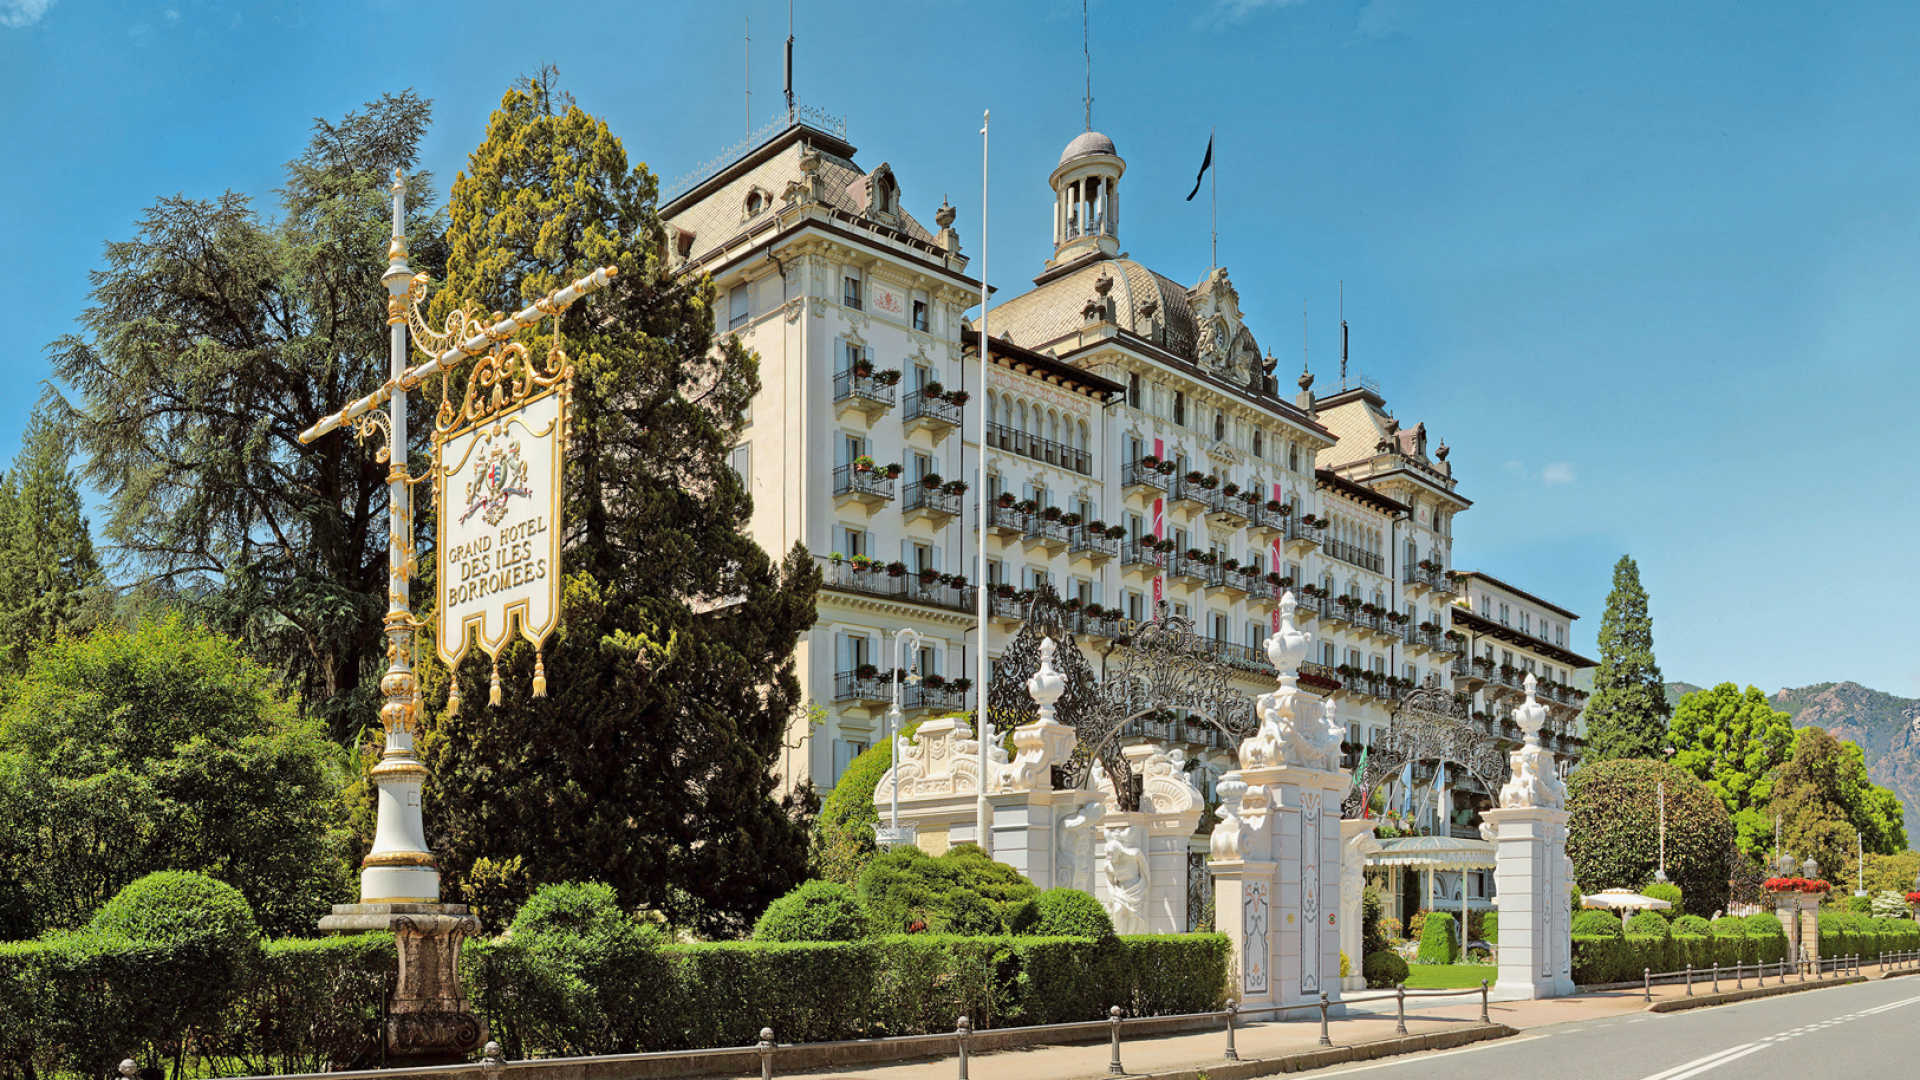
x,y
1856,1032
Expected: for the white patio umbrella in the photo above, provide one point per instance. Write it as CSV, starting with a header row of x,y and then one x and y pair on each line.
x,y
1625,901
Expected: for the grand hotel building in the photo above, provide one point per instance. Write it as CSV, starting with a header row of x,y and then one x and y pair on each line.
x,y
1141,450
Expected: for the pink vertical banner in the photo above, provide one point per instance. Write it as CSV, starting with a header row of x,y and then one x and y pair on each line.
x,y
1159,530
1277,564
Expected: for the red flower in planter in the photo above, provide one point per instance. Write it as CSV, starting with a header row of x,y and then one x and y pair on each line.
x,y
1913,897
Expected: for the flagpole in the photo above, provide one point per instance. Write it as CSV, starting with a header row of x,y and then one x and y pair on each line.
x,y
1213,253
983,811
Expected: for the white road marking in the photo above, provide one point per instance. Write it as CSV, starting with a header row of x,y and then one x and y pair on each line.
x,y
1716,1063
1710,1060
1715,1060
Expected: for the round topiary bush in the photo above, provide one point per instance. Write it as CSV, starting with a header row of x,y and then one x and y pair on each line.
x,y
597,968
1070,913
1649,922
1437,943
1384,969
1764,924
1596,923
1614,830
1692,924
176,907
813,911
1668,891
961,892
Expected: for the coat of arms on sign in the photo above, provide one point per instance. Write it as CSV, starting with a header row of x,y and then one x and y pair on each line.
x,y
499,473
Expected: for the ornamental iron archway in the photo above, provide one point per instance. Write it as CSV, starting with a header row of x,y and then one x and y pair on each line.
x,y
1430,724
1163,667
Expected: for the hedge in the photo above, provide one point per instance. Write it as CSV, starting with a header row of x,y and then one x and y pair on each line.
x,y
1437,943
1731,940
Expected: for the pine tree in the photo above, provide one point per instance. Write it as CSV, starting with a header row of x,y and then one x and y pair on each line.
x,y
671,680
49,576
1627,714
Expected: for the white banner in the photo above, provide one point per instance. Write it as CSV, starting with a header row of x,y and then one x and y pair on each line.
x,y
497,489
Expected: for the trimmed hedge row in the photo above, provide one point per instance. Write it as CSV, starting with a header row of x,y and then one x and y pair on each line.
x,y
80,1003
722,993
1756,939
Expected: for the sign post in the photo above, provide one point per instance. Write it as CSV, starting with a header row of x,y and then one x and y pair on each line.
x,y
428,1021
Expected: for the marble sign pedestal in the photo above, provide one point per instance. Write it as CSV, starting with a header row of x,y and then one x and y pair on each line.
x,y
428,1022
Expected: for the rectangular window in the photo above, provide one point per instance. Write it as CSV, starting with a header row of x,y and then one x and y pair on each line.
x,y
1180,407
923,557
995,575
738,310
1183,610
1135,602
1133,390
920,315
852,541
850,356
850,291
741,462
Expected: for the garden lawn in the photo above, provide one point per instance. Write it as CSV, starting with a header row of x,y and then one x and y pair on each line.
x,y
1449,976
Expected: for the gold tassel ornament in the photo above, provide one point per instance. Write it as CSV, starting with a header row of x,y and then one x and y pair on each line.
x,y
493,695
539,673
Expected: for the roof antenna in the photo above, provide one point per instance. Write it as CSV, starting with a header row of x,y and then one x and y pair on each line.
x,y
1343,333
1086,50
789,62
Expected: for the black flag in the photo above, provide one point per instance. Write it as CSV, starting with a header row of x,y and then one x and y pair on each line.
x,y
1205,164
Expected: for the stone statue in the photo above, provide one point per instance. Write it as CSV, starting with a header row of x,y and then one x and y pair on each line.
x,y
1045,741
1535,783
1127,878
1073,859
1165,787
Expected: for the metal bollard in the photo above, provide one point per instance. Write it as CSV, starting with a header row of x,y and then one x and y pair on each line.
x,y
1114,1067
1739,975
1646,983
492,1061
962,1031
1484,1018
766,1055
1400,1008
1716,976
1324,1040
1760,972
1689,980
1233,1009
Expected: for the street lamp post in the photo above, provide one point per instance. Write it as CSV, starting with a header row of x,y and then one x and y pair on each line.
x,y
1661,874
891,834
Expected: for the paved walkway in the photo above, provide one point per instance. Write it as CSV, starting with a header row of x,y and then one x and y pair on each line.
x,y
1279,1038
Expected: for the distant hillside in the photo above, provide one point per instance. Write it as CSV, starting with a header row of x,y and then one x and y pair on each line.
x,y
1883,725
1678,690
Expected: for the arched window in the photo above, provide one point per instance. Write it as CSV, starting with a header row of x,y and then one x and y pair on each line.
x,y
1085,442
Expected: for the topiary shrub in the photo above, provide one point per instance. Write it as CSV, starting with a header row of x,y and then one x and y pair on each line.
x,y
1437,943
1651,923
1668,891
1345,966
1860,905
1767,937
1070,913
961,892
1384,969
1490,927
176,906
593,971
814,911
1373,932
1596,923
1613,830
1692,924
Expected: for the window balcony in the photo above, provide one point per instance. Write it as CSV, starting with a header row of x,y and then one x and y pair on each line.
x,y
870,486
1138,475
1094,546
934,503
1002,437
1232,511
1318,677
943,698
1241,580
1049,534
1268,525
1240,657
1196,571
870,395
1138,556
1007,520
1191,491
1301,537
864,686
892,581
1010,608
1352,554
931,412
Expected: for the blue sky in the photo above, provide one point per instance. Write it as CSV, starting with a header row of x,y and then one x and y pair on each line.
x,y
1650,269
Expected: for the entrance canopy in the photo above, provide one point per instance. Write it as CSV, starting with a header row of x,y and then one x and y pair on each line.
x,y
1433,853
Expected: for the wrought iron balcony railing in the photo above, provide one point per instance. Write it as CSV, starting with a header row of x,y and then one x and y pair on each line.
x,y
848,480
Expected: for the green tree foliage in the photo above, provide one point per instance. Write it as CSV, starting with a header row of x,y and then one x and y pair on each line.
x,y
1627,714
214,337
155,748
960,892
589,961
1648,922
1071,913
816,911
49,577
1899,872
1668,891
1824,798
1733,740
843,841
672,678
1614,831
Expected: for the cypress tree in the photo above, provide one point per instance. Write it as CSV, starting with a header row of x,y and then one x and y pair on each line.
x,y
1627,714
49,576
671,679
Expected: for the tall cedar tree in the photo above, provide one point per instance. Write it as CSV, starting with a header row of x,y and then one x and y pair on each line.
x,y
1627,714
671,679
50,579
214,338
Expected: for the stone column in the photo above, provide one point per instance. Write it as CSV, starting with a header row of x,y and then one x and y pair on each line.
x,y
427,1018
1173,807
1530,868
1357,843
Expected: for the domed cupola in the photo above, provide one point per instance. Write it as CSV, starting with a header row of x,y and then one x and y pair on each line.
x,y
1086,199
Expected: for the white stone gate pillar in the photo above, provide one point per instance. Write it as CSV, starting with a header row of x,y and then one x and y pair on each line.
x,y
1278,842
1357,843
1531,872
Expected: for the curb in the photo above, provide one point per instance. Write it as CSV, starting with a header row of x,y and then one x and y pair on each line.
x,y
1897,974
1305,1060
1702,1001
